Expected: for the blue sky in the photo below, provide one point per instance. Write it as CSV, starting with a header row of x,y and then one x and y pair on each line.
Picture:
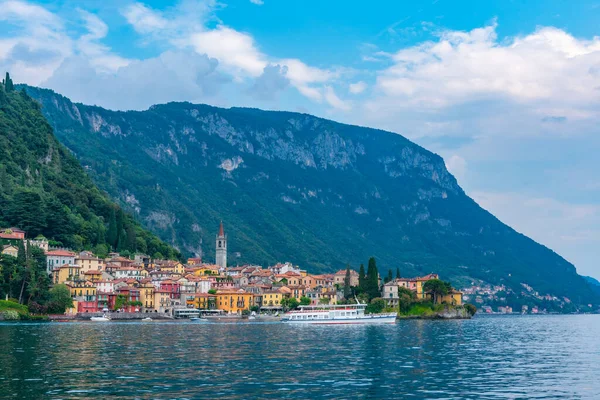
x,y
508,92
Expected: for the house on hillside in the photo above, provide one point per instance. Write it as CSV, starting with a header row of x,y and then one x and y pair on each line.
x,y
58,258
10,250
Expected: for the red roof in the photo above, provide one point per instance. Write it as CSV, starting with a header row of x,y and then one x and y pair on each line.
x,y
221,230
60,253
10,236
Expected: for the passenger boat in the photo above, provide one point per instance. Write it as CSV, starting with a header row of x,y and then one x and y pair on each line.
x,y
337,314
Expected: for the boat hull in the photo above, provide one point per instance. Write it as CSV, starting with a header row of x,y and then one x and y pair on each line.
x,y
99,319
387,319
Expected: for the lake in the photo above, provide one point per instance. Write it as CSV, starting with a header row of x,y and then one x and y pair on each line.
x,y
488,357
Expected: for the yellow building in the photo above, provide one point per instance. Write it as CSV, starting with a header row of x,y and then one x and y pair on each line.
x,y
206,270
235,301
88,262
419,282
172,266
162,300
82,290
272,298
454,298
203,301
65,273
10,250
147,296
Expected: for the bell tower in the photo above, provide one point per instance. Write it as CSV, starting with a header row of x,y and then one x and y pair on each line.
x,y
221,248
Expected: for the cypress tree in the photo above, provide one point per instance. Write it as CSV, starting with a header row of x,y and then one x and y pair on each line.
x,y
398,273
8,83
112,235
362,281
347,289
21,255
131,239
372,279
389,277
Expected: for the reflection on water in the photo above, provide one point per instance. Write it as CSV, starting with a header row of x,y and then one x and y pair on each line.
x,y
487,357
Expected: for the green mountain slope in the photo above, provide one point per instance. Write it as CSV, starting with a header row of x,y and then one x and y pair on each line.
x,y
294,187
44,190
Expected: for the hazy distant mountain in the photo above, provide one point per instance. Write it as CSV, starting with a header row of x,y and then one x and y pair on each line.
x,y
294,187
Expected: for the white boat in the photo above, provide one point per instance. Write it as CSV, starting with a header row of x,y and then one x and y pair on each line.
x,y
336,314
103,318
147,319
198,319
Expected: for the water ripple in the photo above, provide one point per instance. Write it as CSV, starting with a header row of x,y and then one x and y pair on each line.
x,y
539,357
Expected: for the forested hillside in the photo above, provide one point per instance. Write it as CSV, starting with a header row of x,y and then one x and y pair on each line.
x,y
45,191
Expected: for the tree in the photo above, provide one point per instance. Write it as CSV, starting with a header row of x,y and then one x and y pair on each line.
x,y
406,298
212,291
375,306
304,301
60,299
324,300
120,302
389,277
437,288
398,273
347,280
362,278
101,250
27,211
289,303
112,235
8,84
131,238
372,279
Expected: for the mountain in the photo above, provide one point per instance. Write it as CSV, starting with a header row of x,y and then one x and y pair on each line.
x,y
45,191
593,282
295,187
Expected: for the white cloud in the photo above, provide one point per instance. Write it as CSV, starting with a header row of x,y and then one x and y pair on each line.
x,y
357,88
143,19
335,101
257,2
546,69
191,77
232,48
100,56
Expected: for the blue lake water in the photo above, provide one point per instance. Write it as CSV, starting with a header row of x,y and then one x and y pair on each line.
x,y
483,358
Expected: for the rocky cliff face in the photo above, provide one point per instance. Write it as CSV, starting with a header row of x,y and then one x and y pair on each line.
x,y
294,187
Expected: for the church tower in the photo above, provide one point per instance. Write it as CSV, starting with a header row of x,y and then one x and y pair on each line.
x,y
221,246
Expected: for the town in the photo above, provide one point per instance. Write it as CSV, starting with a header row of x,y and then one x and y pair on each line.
x,y
174,289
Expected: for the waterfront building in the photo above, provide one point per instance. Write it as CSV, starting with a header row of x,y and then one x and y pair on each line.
x,y
221,248
235,301
271,298
147,296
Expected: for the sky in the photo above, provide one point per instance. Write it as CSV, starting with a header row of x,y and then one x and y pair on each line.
x,y
507,91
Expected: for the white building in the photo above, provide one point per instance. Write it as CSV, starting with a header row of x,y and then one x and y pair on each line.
x,y
58,258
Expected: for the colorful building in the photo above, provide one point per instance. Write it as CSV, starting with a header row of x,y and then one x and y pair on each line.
x,y
235,301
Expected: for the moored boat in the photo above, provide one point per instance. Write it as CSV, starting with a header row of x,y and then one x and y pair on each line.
x,y
337,314
104,318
